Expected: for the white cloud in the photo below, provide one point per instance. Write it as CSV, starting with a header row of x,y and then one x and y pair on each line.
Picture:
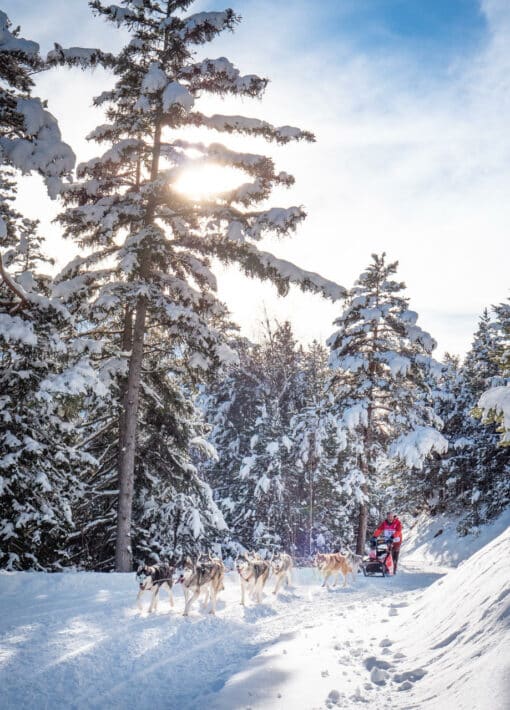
x,y
406,161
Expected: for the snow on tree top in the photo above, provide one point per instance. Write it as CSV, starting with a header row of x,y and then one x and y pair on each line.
x,y
10,43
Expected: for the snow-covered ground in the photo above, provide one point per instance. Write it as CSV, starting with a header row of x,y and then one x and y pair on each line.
x,y
434,540
419,640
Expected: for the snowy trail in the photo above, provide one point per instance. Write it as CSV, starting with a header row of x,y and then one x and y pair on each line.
x,y
77,641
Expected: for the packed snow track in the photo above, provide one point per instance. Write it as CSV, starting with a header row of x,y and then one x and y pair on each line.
x,y
78,641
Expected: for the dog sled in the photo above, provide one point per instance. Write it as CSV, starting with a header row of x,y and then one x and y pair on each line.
x,y
380,560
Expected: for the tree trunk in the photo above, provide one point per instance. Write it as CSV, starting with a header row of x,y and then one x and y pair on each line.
x,y
123,550
127,344
363,509
362,525
129,417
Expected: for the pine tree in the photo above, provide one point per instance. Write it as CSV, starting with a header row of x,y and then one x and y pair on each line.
x,y
44,373
150,246
381,362
44,370
321,508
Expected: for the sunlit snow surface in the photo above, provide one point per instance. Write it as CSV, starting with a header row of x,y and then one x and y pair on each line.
x,y
422,639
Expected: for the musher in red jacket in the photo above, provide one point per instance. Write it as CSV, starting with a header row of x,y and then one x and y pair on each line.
x,y
391,530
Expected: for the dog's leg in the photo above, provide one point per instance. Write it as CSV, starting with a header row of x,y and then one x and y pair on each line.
x,y
260,587
154,601
345,580
278,583
289,578
138,599
326,577
213,594
170,593
190,600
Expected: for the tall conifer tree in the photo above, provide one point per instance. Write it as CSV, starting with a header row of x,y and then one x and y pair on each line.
x,y
149,246
381,362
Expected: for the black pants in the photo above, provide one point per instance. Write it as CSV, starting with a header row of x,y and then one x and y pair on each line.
x,y
395,550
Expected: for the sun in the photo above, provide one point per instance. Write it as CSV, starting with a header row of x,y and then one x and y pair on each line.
x,y
205,181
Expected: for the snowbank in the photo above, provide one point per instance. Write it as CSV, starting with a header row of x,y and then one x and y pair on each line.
x,y
435,541
459,634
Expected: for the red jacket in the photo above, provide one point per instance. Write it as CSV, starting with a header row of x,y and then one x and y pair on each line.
x,y
390,529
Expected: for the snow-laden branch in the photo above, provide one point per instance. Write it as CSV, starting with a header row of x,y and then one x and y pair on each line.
x,y
11,44
42,150
83,57
250,126
306,280
414,447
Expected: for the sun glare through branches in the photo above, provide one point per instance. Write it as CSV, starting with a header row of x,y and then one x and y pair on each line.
x,y
205,181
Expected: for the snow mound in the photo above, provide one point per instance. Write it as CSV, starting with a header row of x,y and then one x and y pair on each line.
x,y
435,540
459,630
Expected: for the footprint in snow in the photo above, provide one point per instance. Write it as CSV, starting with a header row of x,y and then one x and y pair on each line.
x,y
334,698
379,676
406,685
373,662
385,642
410,676
392,611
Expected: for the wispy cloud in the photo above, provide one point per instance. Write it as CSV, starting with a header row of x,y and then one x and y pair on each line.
x,y
412,154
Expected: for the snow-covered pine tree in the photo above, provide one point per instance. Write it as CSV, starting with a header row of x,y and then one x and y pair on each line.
x,y
320,510
251,410
494,406
479,465
231,403
381,364
44,369
149,246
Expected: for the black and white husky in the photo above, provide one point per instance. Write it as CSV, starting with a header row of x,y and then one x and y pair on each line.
x,y
150,579
205,575
282,568
253,573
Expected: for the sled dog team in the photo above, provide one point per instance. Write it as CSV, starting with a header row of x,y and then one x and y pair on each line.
x,y
205,576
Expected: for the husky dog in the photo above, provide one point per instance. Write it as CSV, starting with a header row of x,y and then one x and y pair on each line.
x,y
333,564
152,578
253,573
282,567
355,561
204,575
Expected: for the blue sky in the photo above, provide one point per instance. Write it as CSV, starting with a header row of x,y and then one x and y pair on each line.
x,y
410,102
